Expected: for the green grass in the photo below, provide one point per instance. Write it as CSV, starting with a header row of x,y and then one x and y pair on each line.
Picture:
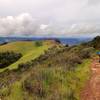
x,y
16,92
19,46
55,79
72,81
79,77
30,56
29,50
67,84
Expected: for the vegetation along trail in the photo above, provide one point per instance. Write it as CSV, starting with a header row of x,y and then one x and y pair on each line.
x,y
92,89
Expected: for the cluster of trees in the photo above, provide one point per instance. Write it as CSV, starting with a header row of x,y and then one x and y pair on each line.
x,y
7,58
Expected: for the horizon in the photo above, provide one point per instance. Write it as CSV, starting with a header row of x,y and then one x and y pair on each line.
x,y
49,49
63,40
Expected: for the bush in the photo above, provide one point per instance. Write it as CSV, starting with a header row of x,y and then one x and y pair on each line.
x,y
75,59
38,43
57,40
86,52
34,87
24,66
7,58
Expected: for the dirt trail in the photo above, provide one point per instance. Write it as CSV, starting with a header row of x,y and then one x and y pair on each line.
x,y
92,89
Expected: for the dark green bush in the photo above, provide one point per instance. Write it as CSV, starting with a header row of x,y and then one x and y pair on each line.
x,y
7,58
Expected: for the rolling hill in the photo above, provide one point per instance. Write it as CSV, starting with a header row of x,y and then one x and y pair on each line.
x,y
28,49
59,73
46,72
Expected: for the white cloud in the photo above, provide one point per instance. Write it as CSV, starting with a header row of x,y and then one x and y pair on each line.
x,y
93,2
43,26
49,17
23,24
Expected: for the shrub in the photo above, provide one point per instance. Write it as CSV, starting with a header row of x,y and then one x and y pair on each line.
x,y
75,59
24,66
34,87
66,45
57,40
38,43
86,52
7,58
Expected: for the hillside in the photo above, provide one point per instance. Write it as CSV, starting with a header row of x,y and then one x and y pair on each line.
x,y
22,46
28,49
59,73
93,43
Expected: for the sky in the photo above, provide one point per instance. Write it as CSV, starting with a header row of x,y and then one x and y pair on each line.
x,y
50,18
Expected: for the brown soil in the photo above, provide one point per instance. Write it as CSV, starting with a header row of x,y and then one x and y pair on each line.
x,y
92,88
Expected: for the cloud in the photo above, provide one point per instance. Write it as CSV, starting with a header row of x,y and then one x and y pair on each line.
x,y
49,17
93,2
43,26
25,25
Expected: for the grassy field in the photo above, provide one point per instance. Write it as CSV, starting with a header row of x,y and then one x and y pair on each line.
x,y
72,82
19,46
82,73
27,48
59,74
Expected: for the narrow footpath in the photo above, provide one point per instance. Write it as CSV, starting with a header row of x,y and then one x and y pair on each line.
x,y
92,88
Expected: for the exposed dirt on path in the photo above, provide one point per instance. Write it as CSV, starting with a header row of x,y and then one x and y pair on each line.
x,y
92,89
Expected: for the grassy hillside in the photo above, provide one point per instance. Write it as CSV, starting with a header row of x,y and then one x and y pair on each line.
x,y
69,89
58,74
28,49
18,46
21,46
94,43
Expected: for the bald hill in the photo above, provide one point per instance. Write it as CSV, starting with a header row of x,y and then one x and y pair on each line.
x,y
47,70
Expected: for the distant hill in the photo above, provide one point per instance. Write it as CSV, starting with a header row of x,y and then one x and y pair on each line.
x,y
63,40
49,71
93,43
96,42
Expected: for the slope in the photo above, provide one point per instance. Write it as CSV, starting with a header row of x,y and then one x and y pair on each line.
x,y
28,49
59,74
